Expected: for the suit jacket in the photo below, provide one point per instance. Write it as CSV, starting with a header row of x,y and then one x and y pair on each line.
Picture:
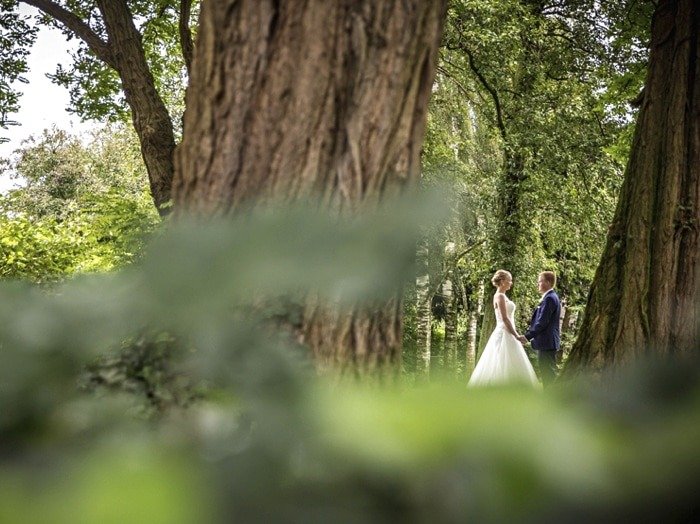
x,y
543,331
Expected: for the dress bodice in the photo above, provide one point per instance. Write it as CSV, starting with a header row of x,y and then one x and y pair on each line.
x,y
510,309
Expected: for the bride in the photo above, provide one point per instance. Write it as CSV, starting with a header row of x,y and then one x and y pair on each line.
x,y
503,359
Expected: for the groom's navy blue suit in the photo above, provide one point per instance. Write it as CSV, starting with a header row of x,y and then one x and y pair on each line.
x,y
543,334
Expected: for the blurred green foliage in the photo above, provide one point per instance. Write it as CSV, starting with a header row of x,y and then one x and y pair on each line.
x,y
132,481
145,366
271,441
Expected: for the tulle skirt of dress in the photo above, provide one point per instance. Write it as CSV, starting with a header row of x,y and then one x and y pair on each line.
x,y
503,361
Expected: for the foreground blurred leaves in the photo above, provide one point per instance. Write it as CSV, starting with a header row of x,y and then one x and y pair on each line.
x,y
272,442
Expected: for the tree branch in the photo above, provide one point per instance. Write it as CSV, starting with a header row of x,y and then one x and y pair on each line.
x,y
448,74
637,101
451,263
185,34
468,250
494,94
499,112
78,26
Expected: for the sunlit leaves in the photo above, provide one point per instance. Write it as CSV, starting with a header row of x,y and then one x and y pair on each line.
x,y
95,89
36,250
82,207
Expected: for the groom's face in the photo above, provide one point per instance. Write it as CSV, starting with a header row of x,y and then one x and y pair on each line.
x,y
542,285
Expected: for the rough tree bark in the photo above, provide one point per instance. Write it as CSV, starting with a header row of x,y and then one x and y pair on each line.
x,y
644,297
311,98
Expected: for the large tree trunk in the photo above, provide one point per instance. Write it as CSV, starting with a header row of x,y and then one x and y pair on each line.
x,y
149,114
645,293
315,99
509,247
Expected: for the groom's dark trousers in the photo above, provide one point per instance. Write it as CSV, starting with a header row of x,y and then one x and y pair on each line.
x,y
547,362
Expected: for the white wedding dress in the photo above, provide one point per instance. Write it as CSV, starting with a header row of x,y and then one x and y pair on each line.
x,y
503,360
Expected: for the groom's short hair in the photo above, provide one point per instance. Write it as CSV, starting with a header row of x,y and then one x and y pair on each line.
x,y
550,277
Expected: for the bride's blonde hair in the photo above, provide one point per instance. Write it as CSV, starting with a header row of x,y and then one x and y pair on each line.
x,y
499,275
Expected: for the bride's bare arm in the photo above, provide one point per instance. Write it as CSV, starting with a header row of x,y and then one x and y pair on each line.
x,y
501,304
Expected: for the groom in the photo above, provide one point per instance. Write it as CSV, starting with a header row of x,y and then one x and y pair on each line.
x,y
543,332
